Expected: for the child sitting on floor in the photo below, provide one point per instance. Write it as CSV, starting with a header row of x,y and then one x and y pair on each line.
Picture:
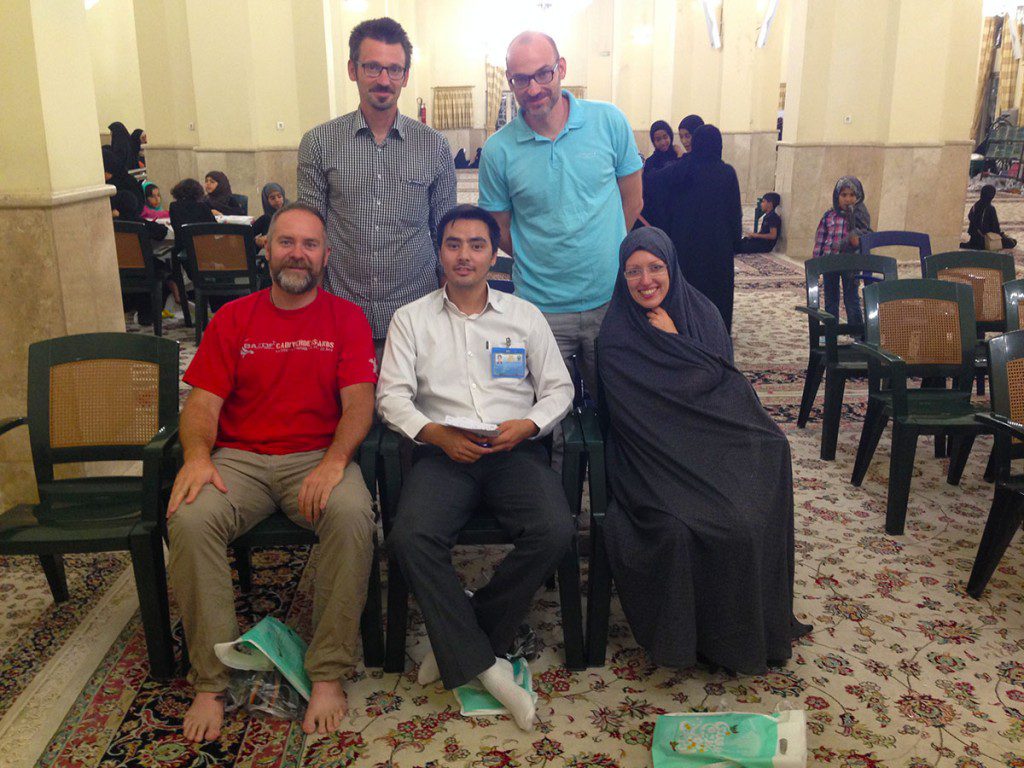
x,y
765,238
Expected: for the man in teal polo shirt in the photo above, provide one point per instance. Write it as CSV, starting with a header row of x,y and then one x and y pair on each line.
x,y
563,181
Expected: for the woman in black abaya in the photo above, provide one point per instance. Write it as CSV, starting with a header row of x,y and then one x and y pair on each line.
x,y
704,219
700,526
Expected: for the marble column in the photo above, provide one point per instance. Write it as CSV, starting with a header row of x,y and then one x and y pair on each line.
x,y
57,257
900,125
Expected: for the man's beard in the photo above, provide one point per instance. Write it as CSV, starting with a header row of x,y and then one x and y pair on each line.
x,y
295,283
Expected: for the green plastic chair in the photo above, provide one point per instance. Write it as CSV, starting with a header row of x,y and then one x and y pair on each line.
x,y
985,272
925,328
826,356
101,397
1006,374
137,268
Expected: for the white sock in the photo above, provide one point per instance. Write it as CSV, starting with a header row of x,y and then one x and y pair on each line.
x,y
429,673
500,682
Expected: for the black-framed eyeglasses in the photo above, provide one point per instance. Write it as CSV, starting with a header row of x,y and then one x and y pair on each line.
x,y
543,76
373,69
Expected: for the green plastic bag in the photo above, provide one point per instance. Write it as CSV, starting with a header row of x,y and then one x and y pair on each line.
x,y
267,646
475,701
729,739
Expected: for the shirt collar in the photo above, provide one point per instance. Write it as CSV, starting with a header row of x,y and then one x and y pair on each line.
x,y
495,300
575,120
359,124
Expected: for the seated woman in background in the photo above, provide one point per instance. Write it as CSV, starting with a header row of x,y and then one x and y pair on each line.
x,y
138,138
188,207
125,207
273,198
152,210
700,524
219,195
116,174
982,220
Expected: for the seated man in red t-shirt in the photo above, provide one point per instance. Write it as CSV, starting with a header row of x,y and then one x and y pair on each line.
x,y
282,396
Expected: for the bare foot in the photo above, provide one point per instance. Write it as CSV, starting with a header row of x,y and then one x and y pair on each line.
x,y
327,706
204,718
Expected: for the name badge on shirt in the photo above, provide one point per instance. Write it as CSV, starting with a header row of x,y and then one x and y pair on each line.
x,y
508,363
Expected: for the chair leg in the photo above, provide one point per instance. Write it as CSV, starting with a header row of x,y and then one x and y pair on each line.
x,y
572,608
980,381
960,451
1004,518
599,596
243,564
398,618
176,276
370,625
151,583
941,446
53,567
812,380
874,424
901,469
990,466
835,388
157,305
201,311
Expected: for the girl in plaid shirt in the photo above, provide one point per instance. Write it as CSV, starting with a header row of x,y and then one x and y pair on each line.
x,y
838,232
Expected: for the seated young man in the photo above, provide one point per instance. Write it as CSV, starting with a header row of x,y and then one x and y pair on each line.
x,y
282,396
468,351
765,238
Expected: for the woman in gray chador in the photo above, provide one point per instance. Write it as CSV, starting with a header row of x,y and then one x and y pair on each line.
x,y
700,529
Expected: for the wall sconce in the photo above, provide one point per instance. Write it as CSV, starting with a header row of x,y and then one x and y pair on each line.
x,y
713,17
769,16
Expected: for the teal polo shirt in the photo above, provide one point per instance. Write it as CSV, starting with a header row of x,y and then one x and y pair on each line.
x,y
567,220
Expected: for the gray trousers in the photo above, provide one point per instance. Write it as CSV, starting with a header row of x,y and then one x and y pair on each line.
x,y
439,496
576,333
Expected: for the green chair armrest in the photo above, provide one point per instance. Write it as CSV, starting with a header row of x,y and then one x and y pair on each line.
x,y
391,476
591,428
10,422
367,455
817,314
1000,423
154,465
572,461
896,372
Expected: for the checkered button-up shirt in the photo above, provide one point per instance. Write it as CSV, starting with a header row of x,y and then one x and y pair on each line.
x,y
382,204
832,236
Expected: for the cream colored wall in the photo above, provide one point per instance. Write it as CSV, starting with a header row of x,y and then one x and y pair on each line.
x,y
165,69
25,168
273,75
222,73
314,71
66,93
698,67
115,63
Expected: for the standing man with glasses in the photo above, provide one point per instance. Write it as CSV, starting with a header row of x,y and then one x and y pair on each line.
x,y
563,181
382,181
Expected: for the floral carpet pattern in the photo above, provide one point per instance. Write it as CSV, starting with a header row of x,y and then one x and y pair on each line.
x,y
902,669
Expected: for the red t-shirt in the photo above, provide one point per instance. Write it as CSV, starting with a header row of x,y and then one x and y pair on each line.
x,y
280,372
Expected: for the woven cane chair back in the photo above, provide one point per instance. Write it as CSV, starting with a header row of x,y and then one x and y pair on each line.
x,y
129,251
921,331
220,253
987,285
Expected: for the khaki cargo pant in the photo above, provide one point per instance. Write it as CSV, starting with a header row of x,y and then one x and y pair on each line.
x,y
258,485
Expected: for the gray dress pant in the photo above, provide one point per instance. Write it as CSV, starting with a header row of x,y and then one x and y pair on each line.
x,y
439,496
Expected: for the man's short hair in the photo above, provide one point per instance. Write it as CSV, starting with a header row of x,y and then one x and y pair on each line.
x,y
298,205
774,198
523,36
474,213
383,30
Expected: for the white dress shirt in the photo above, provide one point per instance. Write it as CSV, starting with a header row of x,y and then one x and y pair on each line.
x,y
437,363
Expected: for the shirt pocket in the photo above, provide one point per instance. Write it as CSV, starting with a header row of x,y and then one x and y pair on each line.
x,y
413,204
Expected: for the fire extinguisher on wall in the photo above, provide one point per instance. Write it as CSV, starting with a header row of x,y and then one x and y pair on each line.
x,y
423,110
